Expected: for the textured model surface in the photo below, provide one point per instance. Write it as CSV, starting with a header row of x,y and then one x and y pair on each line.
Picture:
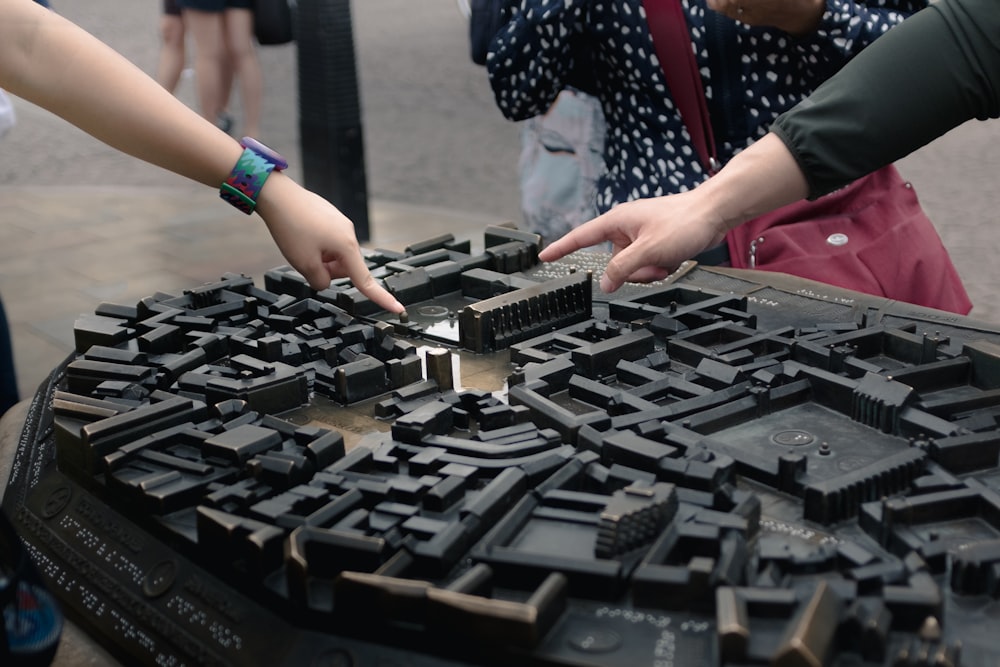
x,y
712,470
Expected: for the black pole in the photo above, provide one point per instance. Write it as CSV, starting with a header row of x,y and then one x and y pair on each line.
x,y
333,155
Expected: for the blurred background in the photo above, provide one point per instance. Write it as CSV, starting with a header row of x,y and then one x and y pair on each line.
x,y
433,136
82,224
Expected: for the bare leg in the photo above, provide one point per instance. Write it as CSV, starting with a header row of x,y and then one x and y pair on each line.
x,y
225,119
228,76
171,64
246,66
206,29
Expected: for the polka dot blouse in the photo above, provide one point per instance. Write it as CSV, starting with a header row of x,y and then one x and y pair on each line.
x,y
648,151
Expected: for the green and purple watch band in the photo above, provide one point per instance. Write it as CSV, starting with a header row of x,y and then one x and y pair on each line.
x,y
243,186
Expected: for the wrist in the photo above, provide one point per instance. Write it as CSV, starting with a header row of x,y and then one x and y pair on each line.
x,y
275,194
760,179
718,204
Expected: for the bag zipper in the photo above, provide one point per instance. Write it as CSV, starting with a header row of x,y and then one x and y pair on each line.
x,y
752,252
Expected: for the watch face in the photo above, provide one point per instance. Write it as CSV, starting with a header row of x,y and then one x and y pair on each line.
x,y
267,153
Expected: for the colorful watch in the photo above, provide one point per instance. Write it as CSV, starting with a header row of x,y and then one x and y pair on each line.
x,y
243,186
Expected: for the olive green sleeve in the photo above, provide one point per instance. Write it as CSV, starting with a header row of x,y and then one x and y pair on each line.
x,y
933,72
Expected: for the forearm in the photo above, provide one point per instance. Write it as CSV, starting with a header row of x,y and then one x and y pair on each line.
x,y
50,62
760,179
937,70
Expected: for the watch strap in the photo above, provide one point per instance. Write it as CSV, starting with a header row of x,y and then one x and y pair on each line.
x,y
245,181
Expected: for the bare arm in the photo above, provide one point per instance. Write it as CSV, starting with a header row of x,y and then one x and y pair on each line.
x,y
651,237
53,63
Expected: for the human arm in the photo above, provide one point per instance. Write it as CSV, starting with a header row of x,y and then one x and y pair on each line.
x,y
651,237
53,63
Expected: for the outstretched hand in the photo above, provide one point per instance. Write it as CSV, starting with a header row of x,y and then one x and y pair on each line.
x,y
318,240
650,238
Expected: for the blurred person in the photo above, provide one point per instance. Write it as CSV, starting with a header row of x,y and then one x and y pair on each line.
x,y
173,54
906,93
225,52
173,58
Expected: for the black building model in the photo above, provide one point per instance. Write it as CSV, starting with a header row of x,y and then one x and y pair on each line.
x,y
725,468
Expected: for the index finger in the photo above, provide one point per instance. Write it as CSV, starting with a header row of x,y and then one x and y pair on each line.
x,y
588,234
362,279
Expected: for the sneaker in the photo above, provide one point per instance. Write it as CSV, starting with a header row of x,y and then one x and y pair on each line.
x,y
224,122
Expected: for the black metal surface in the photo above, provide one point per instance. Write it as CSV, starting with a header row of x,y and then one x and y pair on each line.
x,y
333,152
724,468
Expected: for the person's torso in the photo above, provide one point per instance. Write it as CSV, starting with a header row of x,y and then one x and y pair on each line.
x,y
750,76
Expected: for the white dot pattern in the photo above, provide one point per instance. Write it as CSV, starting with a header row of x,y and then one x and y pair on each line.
x,y
648,151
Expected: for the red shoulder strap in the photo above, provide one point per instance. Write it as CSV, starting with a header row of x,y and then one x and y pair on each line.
x,y
668,26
